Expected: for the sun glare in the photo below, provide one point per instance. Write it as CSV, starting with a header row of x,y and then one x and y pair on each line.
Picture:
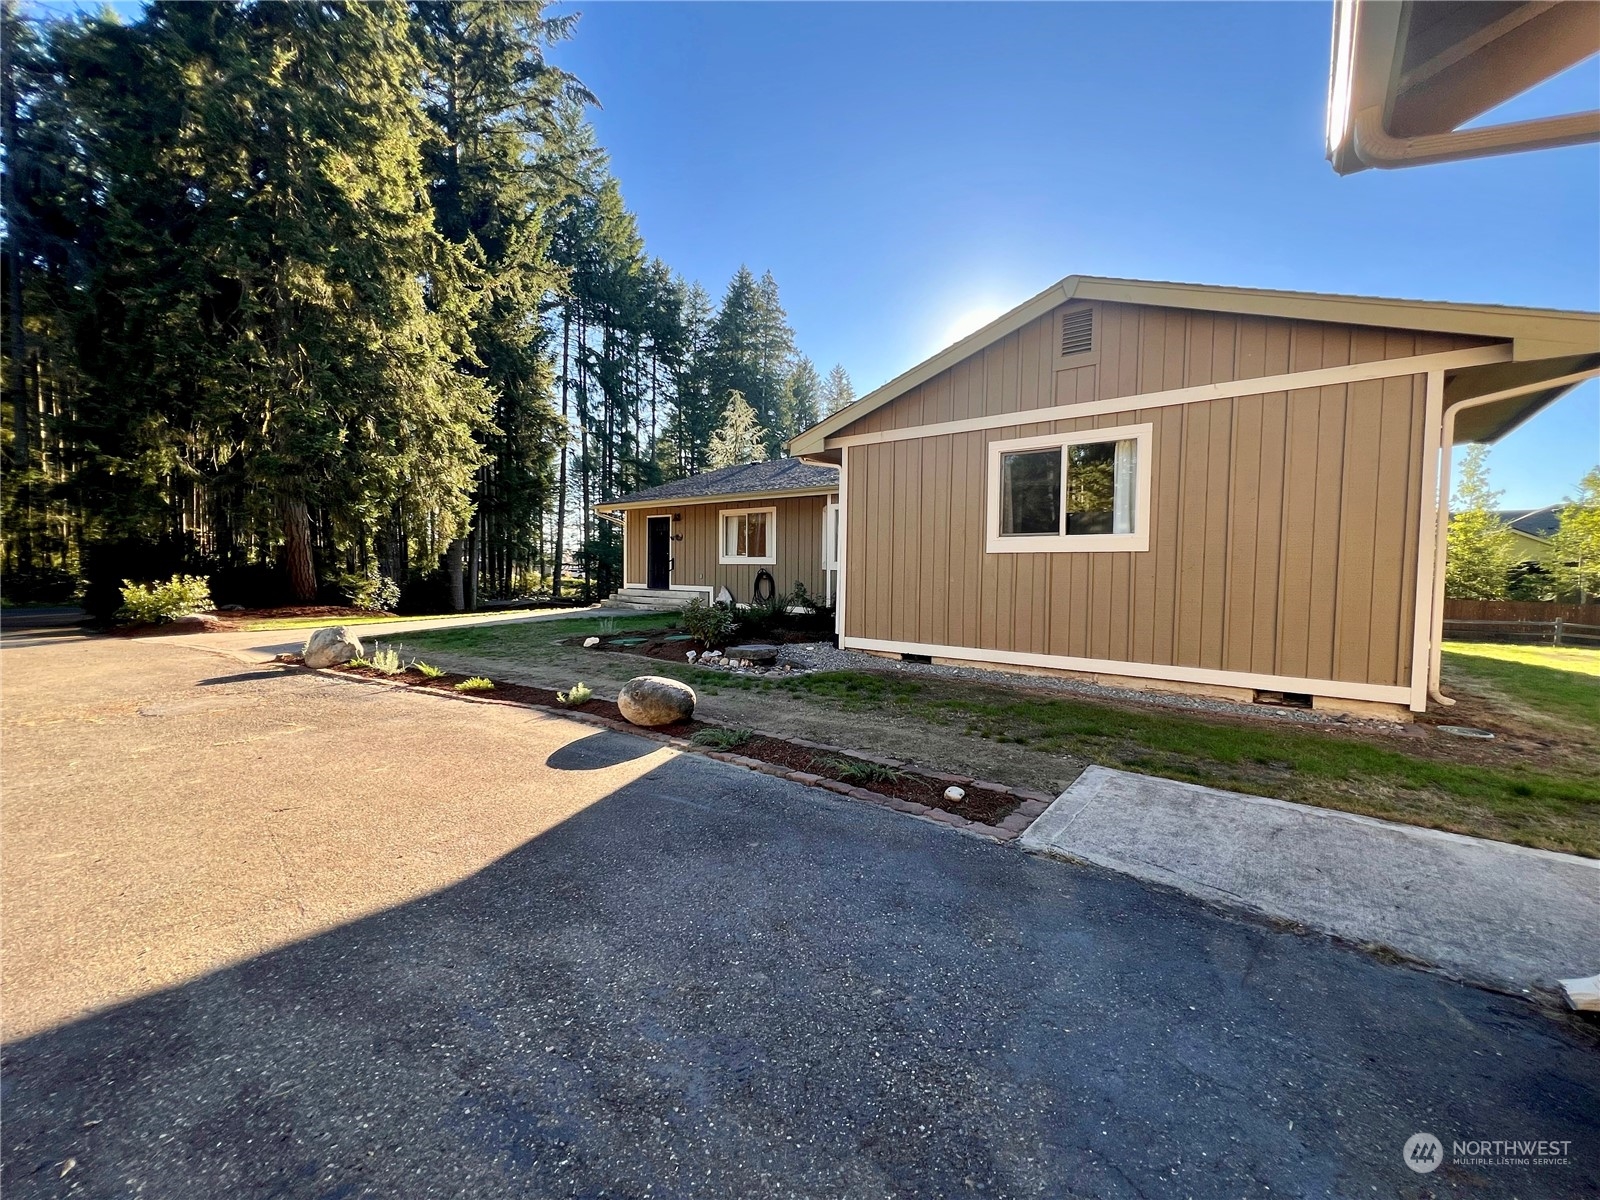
x,y
968,322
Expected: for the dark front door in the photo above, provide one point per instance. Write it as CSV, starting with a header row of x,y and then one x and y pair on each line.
x,y
658,552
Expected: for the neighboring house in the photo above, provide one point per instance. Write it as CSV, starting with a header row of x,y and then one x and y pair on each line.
x,y
1175,486
1531,530
721,530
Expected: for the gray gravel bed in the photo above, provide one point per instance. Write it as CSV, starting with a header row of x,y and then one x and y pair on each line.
x,y
820,656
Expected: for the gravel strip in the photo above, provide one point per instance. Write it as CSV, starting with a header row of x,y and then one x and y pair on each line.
x,y
820,656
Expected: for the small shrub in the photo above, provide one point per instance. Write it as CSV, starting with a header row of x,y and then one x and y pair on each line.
x,y
359,661
609,626
427,670
764,616
476,684
387,660
722,739
575,696
854,770
372,590
712,625
154,603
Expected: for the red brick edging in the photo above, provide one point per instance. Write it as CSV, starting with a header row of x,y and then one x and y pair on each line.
x,y
1030,803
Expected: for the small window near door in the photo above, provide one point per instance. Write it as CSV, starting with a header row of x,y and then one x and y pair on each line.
x,y
1084,490
749,535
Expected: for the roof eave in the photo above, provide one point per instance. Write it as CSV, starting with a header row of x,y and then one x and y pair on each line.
x,y
719,498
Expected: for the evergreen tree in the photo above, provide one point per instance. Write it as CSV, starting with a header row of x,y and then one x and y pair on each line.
x,y
491,100
804,388
1480,547
1575,546
837,391
739,439
748,349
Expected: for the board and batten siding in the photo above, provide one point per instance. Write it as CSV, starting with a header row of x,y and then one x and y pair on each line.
x,y
1283,526
799,549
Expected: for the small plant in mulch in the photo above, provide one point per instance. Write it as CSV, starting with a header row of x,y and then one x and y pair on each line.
x,y
722,739
360,661
427,670
854,770
386,661
575,696
476,684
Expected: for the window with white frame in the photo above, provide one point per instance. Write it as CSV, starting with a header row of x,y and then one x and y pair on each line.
x,y
749,535
1085,490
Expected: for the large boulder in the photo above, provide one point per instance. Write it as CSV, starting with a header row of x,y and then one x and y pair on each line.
x,y
330,647
652,700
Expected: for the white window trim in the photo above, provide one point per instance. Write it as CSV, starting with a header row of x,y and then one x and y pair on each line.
x,y
727,560
1075,543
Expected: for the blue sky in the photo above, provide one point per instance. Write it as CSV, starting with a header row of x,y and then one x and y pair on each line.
x,y
908,171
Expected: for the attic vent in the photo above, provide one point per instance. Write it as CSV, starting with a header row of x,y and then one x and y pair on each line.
x,y
1077,331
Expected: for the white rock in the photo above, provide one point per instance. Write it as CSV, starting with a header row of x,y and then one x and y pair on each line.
x,y
330,647
692,655
1583,994
954,793
724,596
590,643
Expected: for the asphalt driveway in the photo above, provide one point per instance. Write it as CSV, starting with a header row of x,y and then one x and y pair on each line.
x,y
269,933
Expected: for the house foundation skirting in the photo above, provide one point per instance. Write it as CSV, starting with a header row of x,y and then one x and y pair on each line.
x,y
1367,700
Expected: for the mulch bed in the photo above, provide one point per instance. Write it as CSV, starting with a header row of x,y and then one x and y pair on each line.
x,y
518,693
981,804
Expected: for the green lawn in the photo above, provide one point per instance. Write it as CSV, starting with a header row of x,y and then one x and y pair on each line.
x,y
379,618
1540,791
512,640
1555,687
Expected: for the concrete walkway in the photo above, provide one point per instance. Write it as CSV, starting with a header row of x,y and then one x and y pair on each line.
x,y
1483,910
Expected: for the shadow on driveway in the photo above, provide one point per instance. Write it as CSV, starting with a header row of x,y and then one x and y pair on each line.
x,y
715,983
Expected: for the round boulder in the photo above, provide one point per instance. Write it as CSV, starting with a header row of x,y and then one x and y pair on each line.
x,y
330,647
652,700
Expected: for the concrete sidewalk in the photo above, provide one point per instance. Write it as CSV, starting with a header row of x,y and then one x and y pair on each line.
x,y
1486,911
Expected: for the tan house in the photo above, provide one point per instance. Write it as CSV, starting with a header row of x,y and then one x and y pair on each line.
x,y
725,532
1176,486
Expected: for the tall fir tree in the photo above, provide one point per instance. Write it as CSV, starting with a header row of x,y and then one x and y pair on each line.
x,y
837,391
1480,548
739,439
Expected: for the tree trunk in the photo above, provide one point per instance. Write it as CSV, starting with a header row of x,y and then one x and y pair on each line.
x,y
561,480
453,567
474,557
297,549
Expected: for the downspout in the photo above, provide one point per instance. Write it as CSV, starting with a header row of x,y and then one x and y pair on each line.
x,y
1442,525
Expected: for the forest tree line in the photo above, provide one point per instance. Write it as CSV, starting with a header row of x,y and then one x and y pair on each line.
x,y
310,297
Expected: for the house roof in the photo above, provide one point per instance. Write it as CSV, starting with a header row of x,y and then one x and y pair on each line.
x,y
1535,522
775,478
1407,77
1534,333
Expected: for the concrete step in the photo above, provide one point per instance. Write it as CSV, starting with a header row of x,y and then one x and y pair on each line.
x,y
651,600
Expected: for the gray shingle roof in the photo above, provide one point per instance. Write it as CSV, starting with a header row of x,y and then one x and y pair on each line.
x,y
1538,522
779,475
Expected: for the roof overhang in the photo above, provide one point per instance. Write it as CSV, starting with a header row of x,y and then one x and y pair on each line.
x,y
1535,334
671,502
1406,76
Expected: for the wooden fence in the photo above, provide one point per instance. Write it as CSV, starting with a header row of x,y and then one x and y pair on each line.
x,y
1522,621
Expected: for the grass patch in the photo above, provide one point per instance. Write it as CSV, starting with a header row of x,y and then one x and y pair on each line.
x,y
722,739
1553,686
509,640
376,618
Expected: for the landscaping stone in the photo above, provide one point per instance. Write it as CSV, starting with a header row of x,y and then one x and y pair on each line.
x,y
757,653
652,700
589,643
330,647
954,793
196,623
